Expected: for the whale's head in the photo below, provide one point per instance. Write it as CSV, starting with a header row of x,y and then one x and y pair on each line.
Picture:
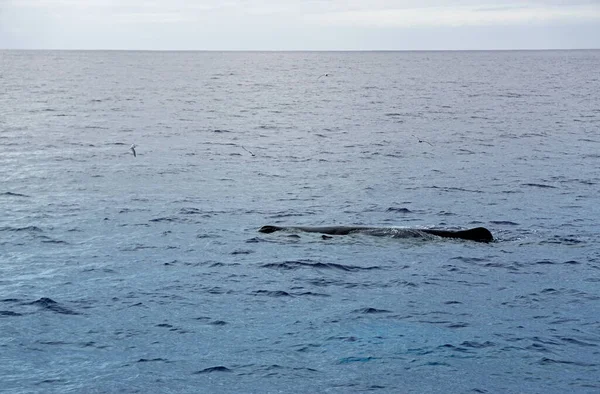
x,y
268,229
479,234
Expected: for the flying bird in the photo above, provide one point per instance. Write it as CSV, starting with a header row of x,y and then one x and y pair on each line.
x,y
420,140
132,149
247,150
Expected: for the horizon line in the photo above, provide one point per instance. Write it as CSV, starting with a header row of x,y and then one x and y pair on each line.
x,y
299,50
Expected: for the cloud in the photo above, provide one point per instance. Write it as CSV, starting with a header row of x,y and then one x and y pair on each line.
x,y
292,24
372,13
476,15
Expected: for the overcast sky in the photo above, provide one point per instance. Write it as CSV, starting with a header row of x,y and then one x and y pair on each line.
x,y
299,24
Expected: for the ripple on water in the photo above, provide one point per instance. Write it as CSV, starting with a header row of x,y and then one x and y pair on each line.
x,y
299,264
219,368
50,305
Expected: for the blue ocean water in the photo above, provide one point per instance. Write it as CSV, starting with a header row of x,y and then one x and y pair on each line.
x,y
147,274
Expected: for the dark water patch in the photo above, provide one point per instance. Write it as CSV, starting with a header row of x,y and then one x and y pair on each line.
x,y
34,229
241,251
218,290
220,264
551,361
398,210
136,247
504,223
395,155
267,127
12,300
562,241
452,303
218,368
550,291
343,338
545,262
458,325
311,294
9,314
271,293
275,370
51,305
12,194
478,345
172,328
573,341
536,347
402,282
48,240
151,360
53,343
470,260
539,185
290,214
293,265
50,381
436,364
369,311
271,370
306,348
348,360
455,189
218,323
255,240
168,219
419,351
539,340
454,348
204,236
193,211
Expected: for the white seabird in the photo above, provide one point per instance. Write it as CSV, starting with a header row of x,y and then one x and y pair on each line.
x,y
247,150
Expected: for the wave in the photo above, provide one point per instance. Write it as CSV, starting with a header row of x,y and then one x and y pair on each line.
x,y
12,194
293,265
51,305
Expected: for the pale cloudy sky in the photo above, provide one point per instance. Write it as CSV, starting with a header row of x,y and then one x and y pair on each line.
x,y
299,24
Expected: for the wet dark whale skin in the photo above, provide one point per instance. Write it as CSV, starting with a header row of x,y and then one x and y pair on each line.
x,y
477,234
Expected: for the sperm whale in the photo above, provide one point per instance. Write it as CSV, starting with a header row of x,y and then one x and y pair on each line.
x,y
477,234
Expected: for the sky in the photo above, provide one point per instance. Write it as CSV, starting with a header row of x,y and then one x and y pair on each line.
x,y
299,24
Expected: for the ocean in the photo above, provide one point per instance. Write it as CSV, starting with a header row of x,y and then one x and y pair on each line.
x,y
147,274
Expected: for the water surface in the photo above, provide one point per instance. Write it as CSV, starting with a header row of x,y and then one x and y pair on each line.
x,y
147,274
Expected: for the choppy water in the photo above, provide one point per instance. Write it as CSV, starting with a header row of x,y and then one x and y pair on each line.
x,y
147,274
